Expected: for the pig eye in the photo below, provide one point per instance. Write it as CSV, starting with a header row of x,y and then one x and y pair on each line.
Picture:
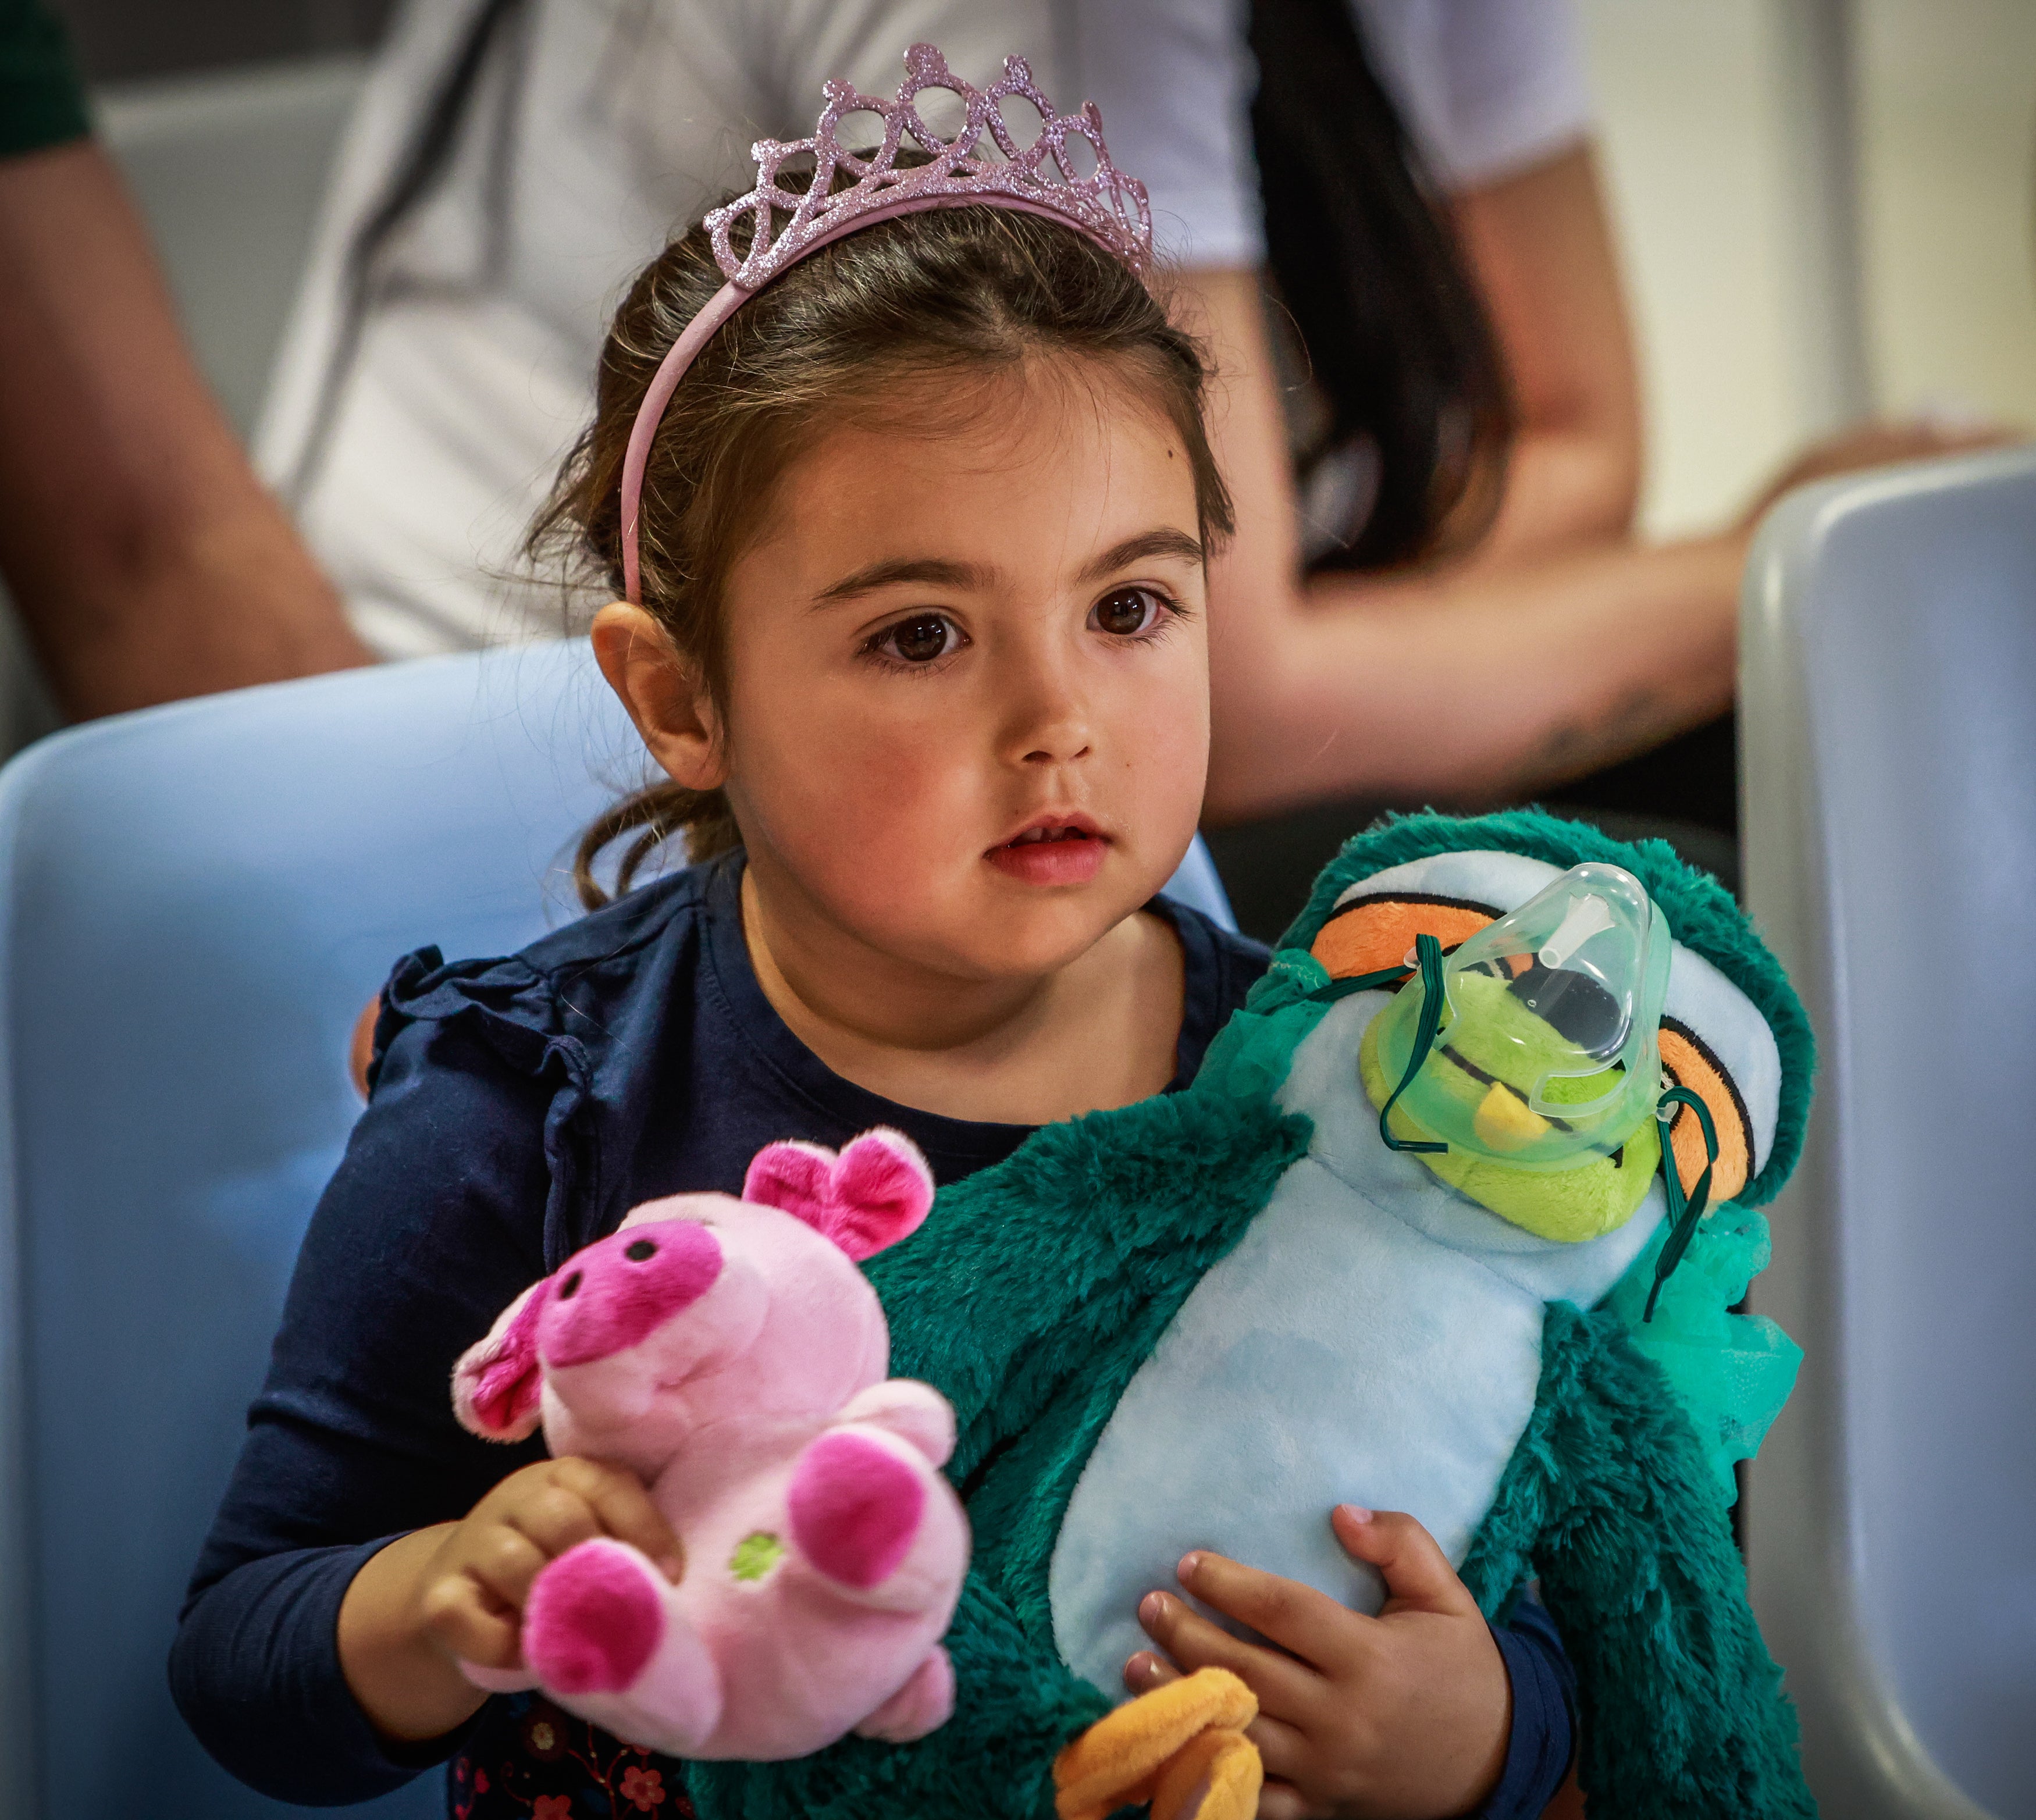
x,y
640,1250
570,1288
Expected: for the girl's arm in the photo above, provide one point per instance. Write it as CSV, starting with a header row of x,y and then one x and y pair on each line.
x,y
431,1227
407,1687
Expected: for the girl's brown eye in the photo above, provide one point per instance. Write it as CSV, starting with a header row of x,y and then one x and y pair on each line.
x,y
920,640
1125,613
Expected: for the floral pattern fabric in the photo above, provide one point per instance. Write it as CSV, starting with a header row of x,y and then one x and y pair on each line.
x,y
561,1767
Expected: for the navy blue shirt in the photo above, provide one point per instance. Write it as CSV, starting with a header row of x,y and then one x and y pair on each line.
x,y
521,1107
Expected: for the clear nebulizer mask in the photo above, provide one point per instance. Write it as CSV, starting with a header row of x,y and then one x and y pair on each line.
x,y
1536,1043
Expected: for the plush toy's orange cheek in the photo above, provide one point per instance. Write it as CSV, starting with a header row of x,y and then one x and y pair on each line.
x,y
1691,1066
1375,933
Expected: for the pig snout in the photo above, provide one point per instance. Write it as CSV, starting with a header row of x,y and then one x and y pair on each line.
x,y
618,1292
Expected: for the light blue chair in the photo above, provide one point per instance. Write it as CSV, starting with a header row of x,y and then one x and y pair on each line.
x,y
195,902
1888,713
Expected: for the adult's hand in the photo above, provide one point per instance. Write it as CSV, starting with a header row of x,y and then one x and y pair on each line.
x,y
147,559
1873,445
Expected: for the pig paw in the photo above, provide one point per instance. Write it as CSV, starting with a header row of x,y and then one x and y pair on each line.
x,y
855,1506
922,1704
916,1413
594,1618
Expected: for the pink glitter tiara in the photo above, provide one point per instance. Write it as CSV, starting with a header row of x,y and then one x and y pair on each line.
x,y
1037,179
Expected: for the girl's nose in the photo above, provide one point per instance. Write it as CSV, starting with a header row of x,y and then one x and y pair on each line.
x,y
1047,720
1060,744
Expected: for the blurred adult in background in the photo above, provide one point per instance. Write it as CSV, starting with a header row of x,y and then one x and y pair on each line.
x,y
1436,593
1399,239
1398,246
513,162
146,560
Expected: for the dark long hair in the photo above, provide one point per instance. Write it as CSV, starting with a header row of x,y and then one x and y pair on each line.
x,y
1395,330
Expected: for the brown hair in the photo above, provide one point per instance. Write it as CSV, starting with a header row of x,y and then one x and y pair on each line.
x,y
952,291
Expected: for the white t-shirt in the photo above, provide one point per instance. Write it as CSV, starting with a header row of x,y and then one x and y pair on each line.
x,y
1486,87
416,439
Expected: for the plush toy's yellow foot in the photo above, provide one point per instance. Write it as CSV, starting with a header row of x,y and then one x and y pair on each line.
x,y
1214,1777
1182,1745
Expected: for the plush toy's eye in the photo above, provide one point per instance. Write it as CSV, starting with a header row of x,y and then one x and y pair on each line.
x,y
570,1288
1687,1061
1369,934
640,1250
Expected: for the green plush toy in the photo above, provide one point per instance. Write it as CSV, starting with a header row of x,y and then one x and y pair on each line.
x,y
1450,1221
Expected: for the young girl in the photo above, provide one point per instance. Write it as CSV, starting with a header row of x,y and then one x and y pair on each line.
x,y
915,555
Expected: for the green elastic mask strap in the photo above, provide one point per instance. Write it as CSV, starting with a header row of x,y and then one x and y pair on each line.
x,y
1428,952
1682,1215
1341,989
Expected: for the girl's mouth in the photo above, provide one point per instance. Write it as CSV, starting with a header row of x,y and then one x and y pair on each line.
x,y
1052,852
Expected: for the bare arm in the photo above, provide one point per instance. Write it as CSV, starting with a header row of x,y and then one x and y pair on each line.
x,y
407,1683
148,560
1540,245
1559,644
1470,683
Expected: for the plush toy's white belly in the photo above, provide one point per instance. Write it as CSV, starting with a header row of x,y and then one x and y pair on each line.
x,y
1374,1339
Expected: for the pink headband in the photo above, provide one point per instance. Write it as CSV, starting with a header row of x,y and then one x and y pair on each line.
x,y
1108,206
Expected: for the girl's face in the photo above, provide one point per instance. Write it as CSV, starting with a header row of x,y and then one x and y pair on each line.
x,y
967,716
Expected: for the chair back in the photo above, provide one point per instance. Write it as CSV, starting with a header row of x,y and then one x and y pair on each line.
x,y
195,903
1888,716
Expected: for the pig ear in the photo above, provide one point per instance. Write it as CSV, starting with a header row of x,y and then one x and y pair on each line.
x,y
873,1194
496,1385
883,1190
793,1178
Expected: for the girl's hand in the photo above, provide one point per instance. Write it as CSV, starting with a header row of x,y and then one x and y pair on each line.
x,y
455,1592
1403,1717
470,1595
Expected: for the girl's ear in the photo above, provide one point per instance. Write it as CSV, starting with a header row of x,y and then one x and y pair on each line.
x,y
666,696
874,1193
497,1387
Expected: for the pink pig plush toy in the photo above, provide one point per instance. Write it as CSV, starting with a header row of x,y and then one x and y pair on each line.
x,y
730,1353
